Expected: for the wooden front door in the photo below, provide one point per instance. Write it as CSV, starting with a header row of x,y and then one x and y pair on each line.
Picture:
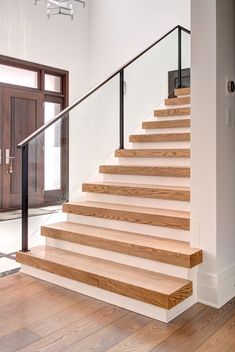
x,y
20,115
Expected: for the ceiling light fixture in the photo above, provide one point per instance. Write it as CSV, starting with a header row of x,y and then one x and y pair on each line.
x,y
60,7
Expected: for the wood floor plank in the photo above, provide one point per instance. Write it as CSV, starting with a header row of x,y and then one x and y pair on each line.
x,y
189,314
36,309
17,339
222,340
22,305
198,330
25,291
12,283
146,338
66,316
72,333
105,338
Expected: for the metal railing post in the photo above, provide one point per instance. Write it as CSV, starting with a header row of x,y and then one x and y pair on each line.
x,y
179,57
25,197
121,123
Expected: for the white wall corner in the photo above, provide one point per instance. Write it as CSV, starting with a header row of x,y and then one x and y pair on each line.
x,y
216,289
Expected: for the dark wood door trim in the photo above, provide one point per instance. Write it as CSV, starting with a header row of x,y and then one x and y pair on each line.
x,y
29,65
1,146
60,97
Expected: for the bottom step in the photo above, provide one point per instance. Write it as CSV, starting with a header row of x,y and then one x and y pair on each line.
x,y
148,310
153,288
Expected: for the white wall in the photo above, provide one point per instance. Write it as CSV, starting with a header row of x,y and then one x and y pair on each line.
x,y
213,147
26,33
225,137
120,29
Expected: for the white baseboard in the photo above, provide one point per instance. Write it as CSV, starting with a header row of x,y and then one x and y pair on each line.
x,y
130,304
216,289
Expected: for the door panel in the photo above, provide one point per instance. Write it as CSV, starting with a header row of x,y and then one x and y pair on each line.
x,y
19,109
22,115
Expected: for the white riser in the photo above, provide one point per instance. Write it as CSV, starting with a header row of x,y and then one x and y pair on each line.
x,y
166,130
150,230
136,262
163,118
144,202
157,180
155,161
133,305
184,96
160,145
175,106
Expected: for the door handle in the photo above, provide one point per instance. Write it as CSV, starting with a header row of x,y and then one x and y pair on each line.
x,y
8,161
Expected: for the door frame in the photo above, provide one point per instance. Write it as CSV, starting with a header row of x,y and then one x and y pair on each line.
x,y
62,96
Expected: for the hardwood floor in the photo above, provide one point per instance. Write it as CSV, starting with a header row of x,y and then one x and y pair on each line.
x,y
38,316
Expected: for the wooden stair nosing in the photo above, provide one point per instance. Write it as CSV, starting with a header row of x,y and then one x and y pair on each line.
x,y
163,137
182,91
162,171
183,123
134,214
158,249
138,190
152,153
143,285
172,112
178,101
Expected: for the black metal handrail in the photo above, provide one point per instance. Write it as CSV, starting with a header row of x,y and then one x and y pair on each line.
x,y
25,143
98,86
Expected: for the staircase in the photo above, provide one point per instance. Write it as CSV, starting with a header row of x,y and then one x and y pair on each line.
x,y
127,243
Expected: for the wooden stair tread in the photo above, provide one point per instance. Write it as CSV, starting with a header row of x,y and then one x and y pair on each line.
x,y
166,124
172,112
161,137
178,101
140,209
149,247
138,190
122,212
152,153
155,288
167,171
182,91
